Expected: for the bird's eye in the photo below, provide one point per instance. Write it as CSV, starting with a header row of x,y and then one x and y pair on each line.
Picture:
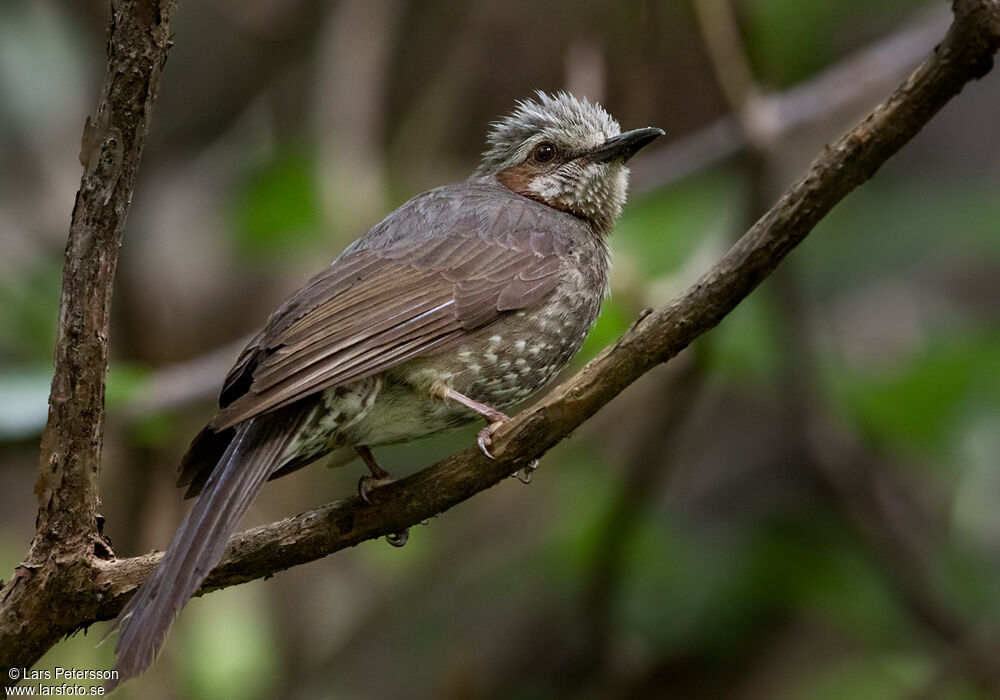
x,y
544,152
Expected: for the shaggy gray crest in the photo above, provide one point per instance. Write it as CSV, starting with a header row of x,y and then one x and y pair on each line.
x,y
568,121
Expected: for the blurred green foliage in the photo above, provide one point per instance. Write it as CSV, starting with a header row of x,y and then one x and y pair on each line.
x,y
790,40
926,401
28,304
277,210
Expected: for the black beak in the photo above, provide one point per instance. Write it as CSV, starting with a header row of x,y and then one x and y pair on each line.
x,y
624,146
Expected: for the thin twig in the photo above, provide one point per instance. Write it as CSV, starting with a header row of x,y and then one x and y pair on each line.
x,y
178,385
720,33
860,78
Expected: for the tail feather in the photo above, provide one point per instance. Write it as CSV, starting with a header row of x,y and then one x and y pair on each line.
x,y
201,457
249,459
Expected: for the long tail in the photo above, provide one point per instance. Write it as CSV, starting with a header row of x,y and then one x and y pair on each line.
x,y
244,467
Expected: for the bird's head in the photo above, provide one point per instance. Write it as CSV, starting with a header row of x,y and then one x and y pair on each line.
x,y
567,153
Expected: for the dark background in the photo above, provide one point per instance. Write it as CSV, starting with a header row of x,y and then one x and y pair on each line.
x,y
802,505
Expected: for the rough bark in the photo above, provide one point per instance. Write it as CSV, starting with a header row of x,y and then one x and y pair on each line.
x,y
52,592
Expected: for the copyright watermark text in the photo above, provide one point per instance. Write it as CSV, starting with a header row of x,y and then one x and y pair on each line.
x,y
52,682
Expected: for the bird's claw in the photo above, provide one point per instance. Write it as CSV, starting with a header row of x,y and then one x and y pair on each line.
x,y
398,539
483,442
485,437
525,473
367,484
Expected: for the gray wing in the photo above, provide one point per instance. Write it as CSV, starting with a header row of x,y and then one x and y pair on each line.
x,y
398,294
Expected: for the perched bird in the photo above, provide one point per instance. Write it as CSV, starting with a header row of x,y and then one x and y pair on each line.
x,y
463,301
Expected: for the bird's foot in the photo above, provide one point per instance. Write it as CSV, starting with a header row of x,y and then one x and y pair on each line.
x,y
525,473
367,484
398,539
494,418
379,477
485,437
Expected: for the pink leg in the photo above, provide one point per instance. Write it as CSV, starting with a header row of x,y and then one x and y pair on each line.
x,y
379,476
493,417
367,484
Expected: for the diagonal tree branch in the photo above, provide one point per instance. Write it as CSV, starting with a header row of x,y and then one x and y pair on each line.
x,y
43,600
965,54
